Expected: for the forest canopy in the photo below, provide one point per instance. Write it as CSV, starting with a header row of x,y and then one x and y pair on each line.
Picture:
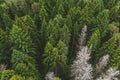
x,y
59,39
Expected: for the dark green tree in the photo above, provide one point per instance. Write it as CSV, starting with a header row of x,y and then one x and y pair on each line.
x,y
24,65
103,21
108,47
65,34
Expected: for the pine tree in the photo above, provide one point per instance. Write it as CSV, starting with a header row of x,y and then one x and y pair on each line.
x,y
114,13
114,61
17,77
43,34
43,13
94,40
53,29
7,21
96,6
110,3
21,40
110,75
62,52
103,21
85,16
80,68
4,47
24,65
65,34
48,55
82,37
7,74
109,46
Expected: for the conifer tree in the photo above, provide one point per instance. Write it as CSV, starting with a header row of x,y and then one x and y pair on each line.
x,y
114,61
24,65
48,55
7,74
17,77
65,34
80,68
42,13
103,21
110,3
62,52
94,40
4,47
7,21
20,40
114,13
109,46
43,34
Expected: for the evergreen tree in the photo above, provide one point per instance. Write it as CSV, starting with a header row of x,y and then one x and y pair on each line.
x,y
62,52
114,13
17,77
103,21
43,34
21,40
65,34
94,40
97,6
37,36
7,74
24,65
108,47
110,3
48,55
7,21
4,47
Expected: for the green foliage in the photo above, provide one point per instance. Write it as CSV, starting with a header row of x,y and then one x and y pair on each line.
x,y
65,34
97,6
20,57
17,77
26,70
20,39
108,47
53,29
47,54
62,52
94,40
42,13
38,33
50,56
56,78
103,21
55,56
4,47
24,65
110,3
7,74
7,21
114,13
115,58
